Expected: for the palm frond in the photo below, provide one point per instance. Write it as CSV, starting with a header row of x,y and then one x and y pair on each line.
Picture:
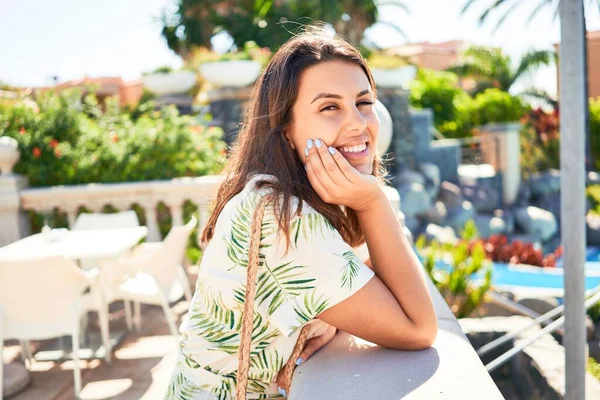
x,y
395,27
352,269
470,70
541,95
537,9
532,60
491,8
265,366
212,319
394,3
181,388
241,224
466,7
505,15
281,284
313,226
310,307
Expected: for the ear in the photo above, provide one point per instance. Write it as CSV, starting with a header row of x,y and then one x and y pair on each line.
x,y
289,138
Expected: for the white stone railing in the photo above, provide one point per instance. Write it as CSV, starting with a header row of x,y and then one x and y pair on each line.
x,y
14,199
122,196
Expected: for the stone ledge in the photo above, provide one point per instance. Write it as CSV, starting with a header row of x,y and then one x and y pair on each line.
x,y
351,368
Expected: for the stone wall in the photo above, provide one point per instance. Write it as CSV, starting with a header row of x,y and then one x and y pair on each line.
x,y
228,107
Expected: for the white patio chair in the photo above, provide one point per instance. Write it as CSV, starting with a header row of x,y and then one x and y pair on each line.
x,y
90,221
122,219
154,277
45,298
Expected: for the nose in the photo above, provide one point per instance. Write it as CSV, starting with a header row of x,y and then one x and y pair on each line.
x,y
355,121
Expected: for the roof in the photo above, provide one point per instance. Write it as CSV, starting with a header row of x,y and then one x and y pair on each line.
x,y
448,47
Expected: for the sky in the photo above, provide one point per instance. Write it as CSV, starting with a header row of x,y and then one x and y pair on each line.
x,y
40,39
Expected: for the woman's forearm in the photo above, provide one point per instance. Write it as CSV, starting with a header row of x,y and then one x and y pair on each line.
x,y
395,263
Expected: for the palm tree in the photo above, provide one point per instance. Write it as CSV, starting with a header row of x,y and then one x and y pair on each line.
x,y
351,18
512,5
491,68
269,23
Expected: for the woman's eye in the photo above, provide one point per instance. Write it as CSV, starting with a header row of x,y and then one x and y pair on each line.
x,y
366,103
329,108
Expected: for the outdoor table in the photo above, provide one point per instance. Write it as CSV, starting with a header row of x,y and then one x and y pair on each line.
x,y
84,245
77,245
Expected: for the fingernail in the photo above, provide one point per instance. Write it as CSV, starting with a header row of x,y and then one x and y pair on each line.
x,y
282,392
306,151
318,143
331,150
309,144
305,167
299,361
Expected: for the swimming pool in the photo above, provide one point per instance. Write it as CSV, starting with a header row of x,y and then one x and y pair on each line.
x,y
546,279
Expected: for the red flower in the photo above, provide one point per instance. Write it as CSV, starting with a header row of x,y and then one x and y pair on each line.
x,y
22,131
54,143
114,137
57,153
37,152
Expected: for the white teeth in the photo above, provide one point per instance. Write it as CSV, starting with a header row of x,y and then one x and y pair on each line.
x,y
354,149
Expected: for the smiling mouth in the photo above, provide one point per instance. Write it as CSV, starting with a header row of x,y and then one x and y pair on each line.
x,y
354,152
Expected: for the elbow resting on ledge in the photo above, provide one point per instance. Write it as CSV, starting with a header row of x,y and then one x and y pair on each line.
x,y
417,338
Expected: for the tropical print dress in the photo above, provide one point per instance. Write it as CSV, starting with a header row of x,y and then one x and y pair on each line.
x,y
318,271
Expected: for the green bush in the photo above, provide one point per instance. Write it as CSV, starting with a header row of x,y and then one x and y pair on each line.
x,y
593,194
595,129
455,113
69,141
450,104
494,105
456,283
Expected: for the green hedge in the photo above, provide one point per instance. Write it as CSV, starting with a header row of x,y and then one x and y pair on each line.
x,y
451,105
70,141
455,113
595,129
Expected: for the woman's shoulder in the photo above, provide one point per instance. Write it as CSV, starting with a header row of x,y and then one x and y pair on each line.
x,y
260,185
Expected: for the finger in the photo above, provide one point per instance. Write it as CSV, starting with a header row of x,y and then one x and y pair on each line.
x,y
314,159
310,348
348,170
330,165
315,344
318,176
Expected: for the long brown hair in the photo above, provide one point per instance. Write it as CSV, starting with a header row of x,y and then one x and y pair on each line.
x,y
262,148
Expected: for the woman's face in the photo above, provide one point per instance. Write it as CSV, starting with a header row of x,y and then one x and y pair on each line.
x,y
335,104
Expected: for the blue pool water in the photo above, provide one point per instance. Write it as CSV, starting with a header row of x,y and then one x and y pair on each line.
x,y
548,278
506,275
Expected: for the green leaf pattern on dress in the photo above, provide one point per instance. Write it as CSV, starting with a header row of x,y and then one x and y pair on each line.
x,y
216,314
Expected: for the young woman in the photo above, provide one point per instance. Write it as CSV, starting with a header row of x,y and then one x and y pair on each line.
x,y
310,139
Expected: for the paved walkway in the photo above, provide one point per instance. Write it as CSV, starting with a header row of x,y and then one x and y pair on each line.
x,y
140,369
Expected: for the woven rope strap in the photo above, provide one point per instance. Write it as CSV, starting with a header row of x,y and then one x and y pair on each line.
x,y
248,313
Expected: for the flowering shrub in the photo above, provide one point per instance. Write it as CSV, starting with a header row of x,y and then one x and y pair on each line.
x,y
70,141
456,283
498,249
540,141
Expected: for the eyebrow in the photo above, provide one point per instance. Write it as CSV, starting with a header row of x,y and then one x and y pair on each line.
x,y
335,96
